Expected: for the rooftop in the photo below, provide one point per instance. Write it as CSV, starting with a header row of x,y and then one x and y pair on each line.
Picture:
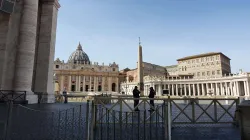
x,y
202,55
171,66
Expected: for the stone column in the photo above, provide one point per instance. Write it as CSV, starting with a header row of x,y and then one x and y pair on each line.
x,y
234,89
206,90
77,83
198,88
185,89
212,87
181,89
159,89
90,83
194,90
172,87
247,85
80,81
189,90
94,83
109,84
176,90
117,85
237,88
216,89
11,46
70,81
62,83
4,23
45,51
84,83
202,89
221,89
226,89
231,88
103,85
245,88
26,51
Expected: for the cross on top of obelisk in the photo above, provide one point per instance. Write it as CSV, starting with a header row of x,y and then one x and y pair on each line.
x,y
139,41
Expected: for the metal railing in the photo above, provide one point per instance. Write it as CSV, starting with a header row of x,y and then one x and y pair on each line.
x,y
26,123
116,118
11,95
168,113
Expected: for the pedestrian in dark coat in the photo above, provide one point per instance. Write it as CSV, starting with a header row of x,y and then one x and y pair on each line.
x,y
65,96
151,96
136,94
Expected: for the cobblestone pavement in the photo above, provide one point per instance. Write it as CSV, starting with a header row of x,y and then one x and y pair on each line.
x,y
70,124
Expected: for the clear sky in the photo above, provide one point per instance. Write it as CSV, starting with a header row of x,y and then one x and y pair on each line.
x,y
169,29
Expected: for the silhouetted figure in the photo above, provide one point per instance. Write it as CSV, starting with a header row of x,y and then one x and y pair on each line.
x,y
65,96
151,96
136,94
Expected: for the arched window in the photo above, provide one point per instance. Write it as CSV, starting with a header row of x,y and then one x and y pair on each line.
x,y
113,87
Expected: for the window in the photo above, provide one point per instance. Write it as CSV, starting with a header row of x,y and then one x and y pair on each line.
x,y
198,74
213,72
208,73
113,69
57,66
203,73
218,71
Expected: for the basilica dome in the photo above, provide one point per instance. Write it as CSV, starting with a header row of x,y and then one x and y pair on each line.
x,y
79,56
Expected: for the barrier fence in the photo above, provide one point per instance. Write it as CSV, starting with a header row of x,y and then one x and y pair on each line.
x,y
113,118
125,122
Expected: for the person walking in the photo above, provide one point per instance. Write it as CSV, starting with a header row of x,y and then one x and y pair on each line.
x,y
151,96
136,94
65,96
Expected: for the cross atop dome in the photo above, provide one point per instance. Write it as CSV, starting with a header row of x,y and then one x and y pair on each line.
x,y
79,46
139,41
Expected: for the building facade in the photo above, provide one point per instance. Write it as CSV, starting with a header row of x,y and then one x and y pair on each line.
x,y
233,85
79,74
198,75
213,64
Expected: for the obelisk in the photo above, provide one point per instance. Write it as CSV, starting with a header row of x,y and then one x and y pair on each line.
x,y
140,70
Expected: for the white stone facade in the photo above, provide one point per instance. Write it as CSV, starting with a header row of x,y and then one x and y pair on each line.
x,y
234,85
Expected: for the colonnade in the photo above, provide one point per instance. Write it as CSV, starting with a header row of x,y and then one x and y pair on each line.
x,y
226,88
236,87
27,43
